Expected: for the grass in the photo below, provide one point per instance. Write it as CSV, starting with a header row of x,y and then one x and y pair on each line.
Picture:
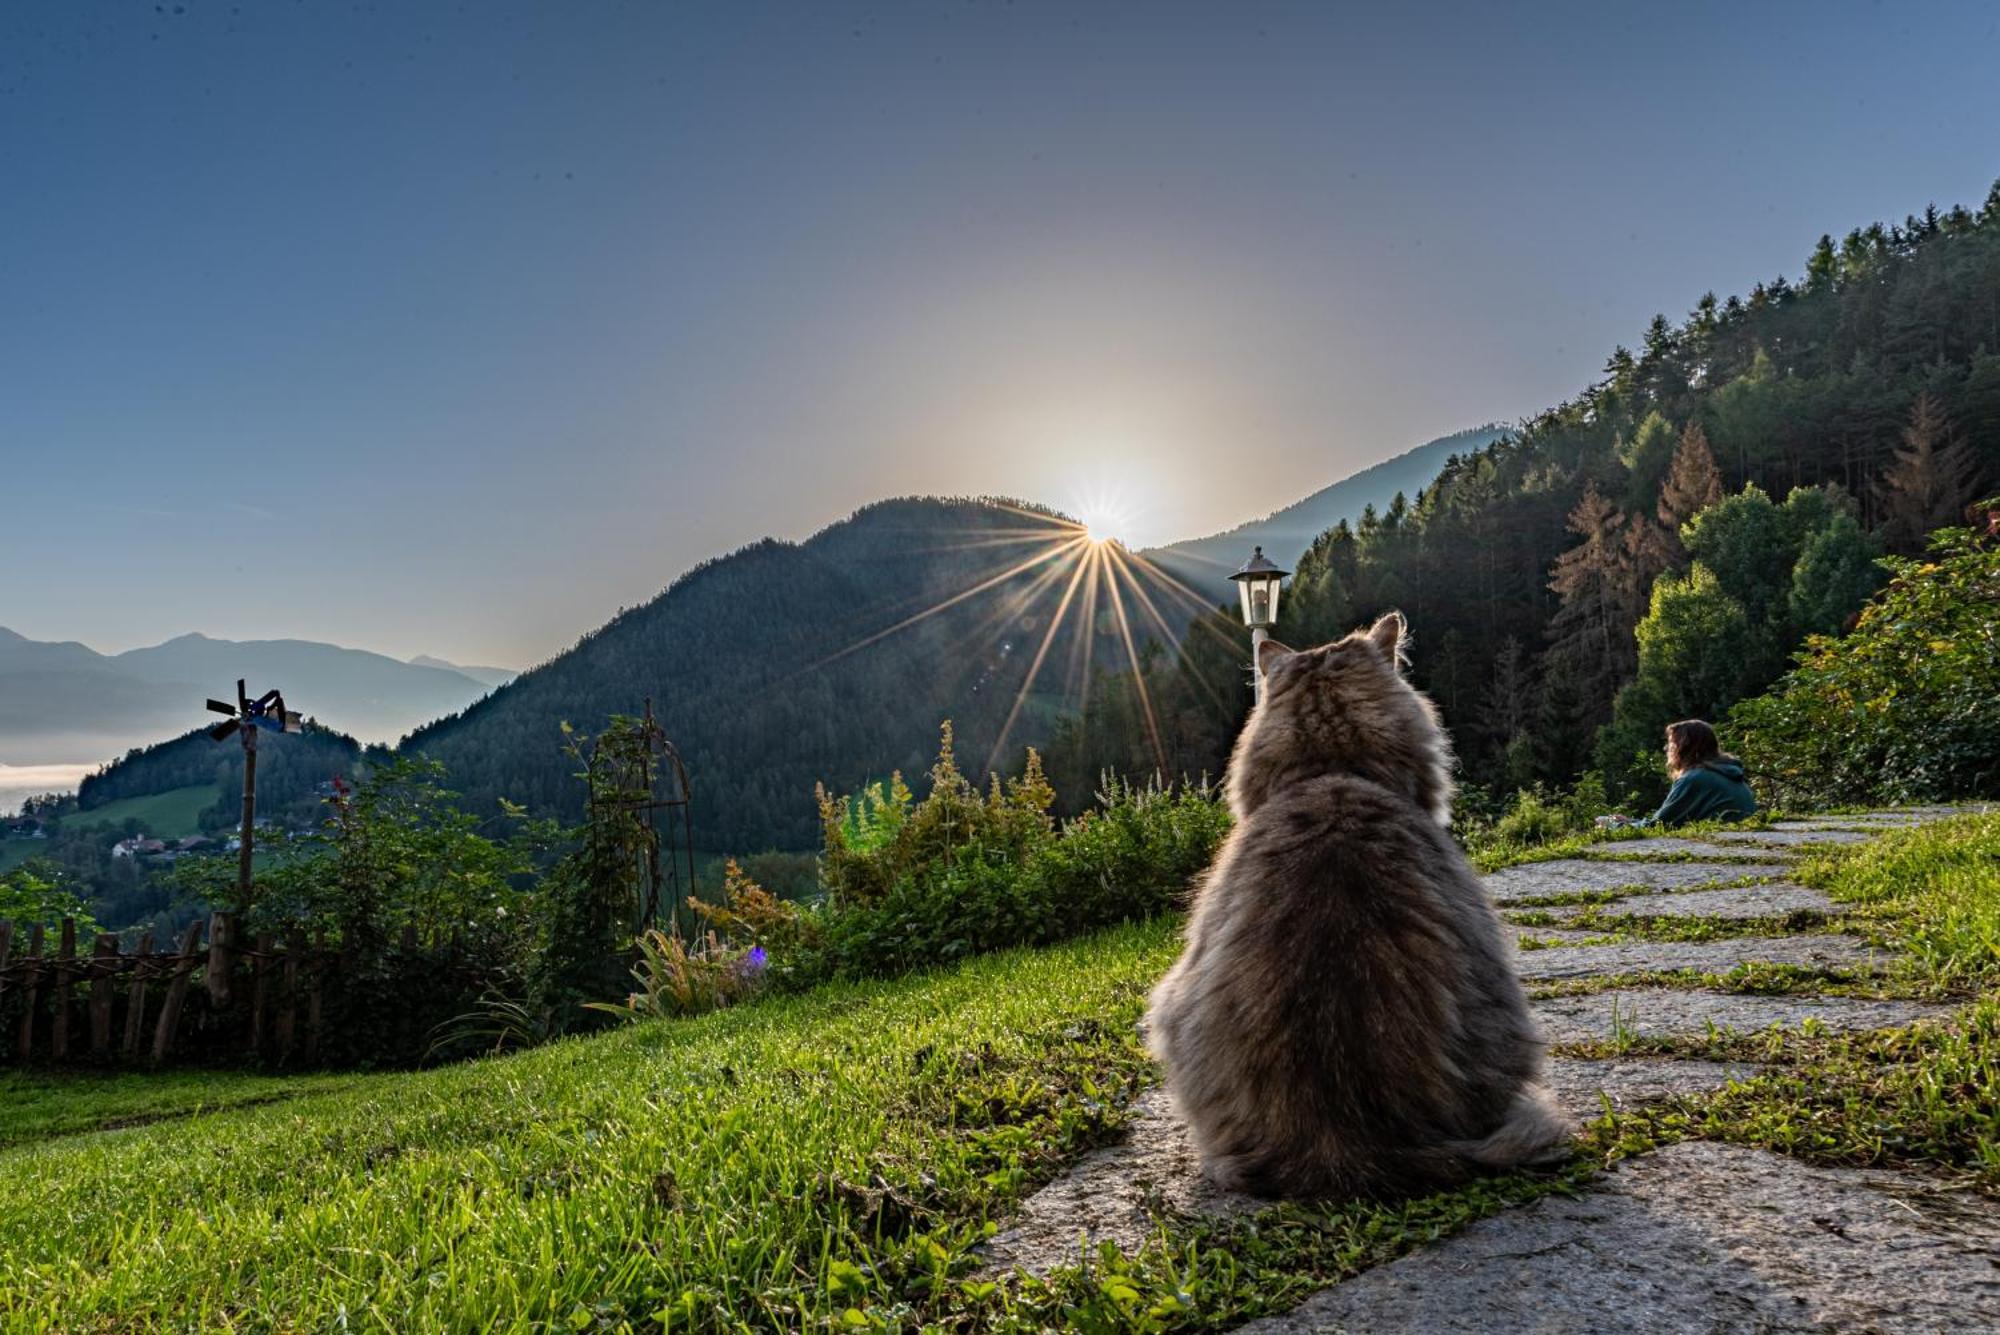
x,y
170,815
38,1106
833,1160
787,1163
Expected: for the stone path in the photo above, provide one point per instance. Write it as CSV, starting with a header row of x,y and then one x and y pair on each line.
x,y
1696,1236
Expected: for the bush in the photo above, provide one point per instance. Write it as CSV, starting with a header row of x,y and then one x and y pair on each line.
x,y
1905,707
911,885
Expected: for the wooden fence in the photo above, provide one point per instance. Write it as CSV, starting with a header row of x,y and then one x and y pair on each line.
x,y
111,1006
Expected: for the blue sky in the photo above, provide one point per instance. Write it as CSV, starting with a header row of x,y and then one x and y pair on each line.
x,y
457,327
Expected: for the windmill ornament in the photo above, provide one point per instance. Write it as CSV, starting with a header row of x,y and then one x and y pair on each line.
x,y
246,718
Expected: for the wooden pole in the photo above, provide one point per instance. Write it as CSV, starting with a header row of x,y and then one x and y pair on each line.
x,y
59,1035
314,998
31,979
170,1013
248,837
6,948
135,999
221,958
260,991
103,972
288,1012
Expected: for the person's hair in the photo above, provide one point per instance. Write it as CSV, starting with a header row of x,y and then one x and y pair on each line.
x,y
1690,743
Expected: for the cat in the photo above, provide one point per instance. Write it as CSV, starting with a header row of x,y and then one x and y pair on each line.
x,y
1345,1018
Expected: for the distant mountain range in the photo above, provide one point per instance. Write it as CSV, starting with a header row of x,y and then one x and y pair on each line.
x,y
773,668
63,702
1206,563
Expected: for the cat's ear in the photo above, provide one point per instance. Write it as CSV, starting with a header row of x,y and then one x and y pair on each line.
x,y
1387,635
1269,654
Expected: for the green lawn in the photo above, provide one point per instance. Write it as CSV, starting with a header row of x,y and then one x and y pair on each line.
x,y
831,1160
785,1162
43,1106
169,815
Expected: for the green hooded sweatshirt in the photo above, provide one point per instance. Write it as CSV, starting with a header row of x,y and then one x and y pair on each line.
x,y
1711,791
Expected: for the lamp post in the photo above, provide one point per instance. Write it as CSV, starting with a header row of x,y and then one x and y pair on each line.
x,y
1259,582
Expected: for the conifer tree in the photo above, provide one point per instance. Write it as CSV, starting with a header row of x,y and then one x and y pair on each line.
x,y
1598,582
1930,480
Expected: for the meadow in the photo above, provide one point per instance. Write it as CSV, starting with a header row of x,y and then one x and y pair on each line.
x,y
834,1159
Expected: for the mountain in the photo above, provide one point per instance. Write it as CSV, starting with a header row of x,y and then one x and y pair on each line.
x,y
833,660
66,703
1285,534
485,676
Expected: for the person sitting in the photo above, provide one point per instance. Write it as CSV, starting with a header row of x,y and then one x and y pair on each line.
x,y
1708,785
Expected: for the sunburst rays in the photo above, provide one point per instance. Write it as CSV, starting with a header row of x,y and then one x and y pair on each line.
x,y
1095,575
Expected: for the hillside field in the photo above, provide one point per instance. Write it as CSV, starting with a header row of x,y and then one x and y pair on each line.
x,y
173,814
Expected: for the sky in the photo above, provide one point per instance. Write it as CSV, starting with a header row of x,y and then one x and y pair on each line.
x,y
453,328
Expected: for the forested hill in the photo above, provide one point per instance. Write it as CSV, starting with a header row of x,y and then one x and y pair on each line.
x,y
782,665
1285,534
1527,566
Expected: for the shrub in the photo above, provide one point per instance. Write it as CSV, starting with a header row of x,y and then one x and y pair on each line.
x,y
678,979
916,884
1906,706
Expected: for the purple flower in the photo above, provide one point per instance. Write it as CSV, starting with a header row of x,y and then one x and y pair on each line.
x,y
754,962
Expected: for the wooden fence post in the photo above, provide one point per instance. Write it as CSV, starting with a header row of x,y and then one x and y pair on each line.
x,y
103,972
288,1014
221,957
170,1013
31,981
6,949
314,996
259,991
135,998
65,955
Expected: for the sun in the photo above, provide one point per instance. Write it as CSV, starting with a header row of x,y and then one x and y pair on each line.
x,y
1105,523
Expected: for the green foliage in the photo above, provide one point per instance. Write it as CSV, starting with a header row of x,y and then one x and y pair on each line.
x,y
1534,820
590,900
1904,707
678,979
1708,640
959,874
36,893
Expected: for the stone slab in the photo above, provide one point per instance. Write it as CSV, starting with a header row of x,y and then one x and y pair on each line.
x,y
1793,838
1117,1193
1658,1012
1669,846
1560,962
1582,1084
1775,899
1695,1237
1113,1194
1568,876
1561,935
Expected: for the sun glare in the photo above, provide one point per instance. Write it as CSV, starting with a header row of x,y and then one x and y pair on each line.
x,y
1102,524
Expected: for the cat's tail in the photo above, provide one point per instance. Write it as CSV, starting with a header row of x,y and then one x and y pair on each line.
x,y
1535,1132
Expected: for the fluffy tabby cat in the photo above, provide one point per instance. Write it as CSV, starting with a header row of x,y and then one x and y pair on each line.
x,y
1345,1018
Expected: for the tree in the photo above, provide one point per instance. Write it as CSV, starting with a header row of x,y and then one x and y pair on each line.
x,y
1835,574
1597,581
1693,482
1930,481
1906,706
1694,644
